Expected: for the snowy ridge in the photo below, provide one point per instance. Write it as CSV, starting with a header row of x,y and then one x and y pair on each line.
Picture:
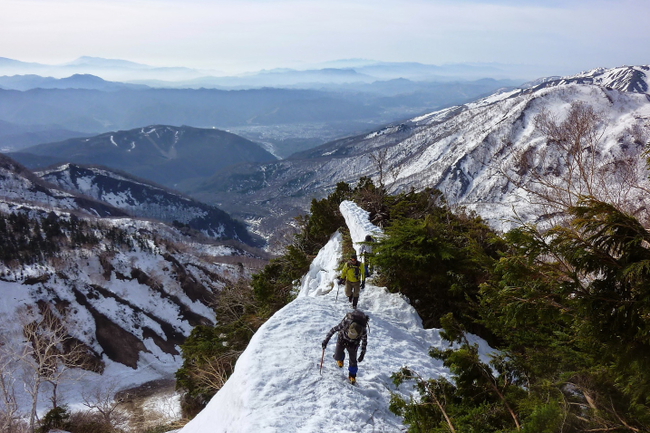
x,y
625,79
277,387
357,221
19,186
145,199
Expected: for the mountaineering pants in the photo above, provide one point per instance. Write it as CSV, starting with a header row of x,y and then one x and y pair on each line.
x,y
339,353
352,288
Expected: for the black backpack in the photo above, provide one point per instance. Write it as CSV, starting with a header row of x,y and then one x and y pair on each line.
x,y
357,272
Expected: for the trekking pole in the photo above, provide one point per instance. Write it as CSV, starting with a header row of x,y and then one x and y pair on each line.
x,y
321,362
338,287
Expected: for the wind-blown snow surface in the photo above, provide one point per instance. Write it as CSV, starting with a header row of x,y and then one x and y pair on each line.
x,y
277,387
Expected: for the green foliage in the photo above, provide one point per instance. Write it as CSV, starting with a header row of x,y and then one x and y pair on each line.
x,y
323,220
56,418
429,412
436,258
273,287
570,310
578,298
210,352
546,417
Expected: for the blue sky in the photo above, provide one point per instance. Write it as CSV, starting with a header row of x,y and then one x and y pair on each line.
x,y
246,35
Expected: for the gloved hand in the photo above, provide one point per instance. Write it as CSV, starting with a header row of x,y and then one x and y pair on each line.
x,y
340,280
363,284
324,344
361,356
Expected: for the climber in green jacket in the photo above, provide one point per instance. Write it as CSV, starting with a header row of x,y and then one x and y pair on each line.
x,y
354,275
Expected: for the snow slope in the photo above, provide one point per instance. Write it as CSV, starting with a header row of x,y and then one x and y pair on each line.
x,y
154,320
277,387
131,292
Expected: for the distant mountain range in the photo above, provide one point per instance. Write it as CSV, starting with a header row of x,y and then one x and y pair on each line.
x,y
76,81
110,69
290,110
341,71
288,120
459,150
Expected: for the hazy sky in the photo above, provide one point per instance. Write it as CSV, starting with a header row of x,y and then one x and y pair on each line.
x,y
246,35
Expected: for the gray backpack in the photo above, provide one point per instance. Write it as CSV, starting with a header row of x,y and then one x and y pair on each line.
x,y
358,321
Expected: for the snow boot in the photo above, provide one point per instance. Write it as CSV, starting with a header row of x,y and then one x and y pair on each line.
x,y
353,379
339,363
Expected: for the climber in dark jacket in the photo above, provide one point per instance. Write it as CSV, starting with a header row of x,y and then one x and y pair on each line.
x,y
351,332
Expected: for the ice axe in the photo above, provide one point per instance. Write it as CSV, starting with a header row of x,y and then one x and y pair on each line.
x,y
321,361
338,287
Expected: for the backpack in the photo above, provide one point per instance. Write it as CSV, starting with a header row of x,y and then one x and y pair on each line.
x,y
357,272
358,321
354,331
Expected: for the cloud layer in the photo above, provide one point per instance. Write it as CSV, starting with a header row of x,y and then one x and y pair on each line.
x,y
239,35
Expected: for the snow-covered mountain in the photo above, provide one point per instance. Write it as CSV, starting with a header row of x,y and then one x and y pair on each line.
x,y
460,150
129,290
146,200
19,185
161,153
625,79
277,385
